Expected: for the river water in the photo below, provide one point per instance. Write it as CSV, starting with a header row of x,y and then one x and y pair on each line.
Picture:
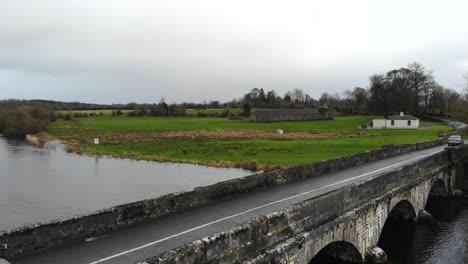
x,y
42,184
442,241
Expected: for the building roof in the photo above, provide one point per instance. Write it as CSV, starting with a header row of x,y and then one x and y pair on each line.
x,y
286,112
402,117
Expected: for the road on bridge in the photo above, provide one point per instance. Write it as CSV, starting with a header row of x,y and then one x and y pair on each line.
x,y
136,243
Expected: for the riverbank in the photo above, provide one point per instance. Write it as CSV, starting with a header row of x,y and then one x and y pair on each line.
x,y
38,185
221,142
39,139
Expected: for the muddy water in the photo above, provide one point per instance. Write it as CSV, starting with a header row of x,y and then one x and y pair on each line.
x,y
41,184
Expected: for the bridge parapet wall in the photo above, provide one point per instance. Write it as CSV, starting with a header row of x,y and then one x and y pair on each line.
x,y
295,234
458,156
40,236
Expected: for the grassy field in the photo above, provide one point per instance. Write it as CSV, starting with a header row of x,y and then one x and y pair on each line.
x,y
139,138
145,124
106,113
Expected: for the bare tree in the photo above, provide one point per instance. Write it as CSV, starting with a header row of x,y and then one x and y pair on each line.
x,y
297,95
465,89
360,97
422,84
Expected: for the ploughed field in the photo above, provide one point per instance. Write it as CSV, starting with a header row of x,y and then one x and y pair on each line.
x,y
230,143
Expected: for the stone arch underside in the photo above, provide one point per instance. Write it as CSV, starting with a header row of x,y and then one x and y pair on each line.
x,y
438,189
403,210
397,227
337,252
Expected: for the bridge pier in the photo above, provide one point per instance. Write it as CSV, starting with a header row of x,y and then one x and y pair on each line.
x,y
458,156
424,216
376,255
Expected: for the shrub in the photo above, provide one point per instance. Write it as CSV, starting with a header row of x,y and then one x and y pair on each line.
x,y
225,113
53,116
59,115
23,120
247,109
233,116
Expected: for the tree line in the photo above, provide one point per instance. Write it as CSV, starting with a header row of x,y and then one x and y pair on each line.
x,y
410,89
60,106
18,121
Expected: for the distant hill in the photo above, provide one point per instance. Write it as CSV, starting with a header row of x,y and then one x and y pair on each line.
x,y
58,105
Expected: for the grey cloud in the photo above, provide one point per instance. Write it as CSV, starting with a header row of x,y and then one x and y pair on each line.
x,y
120,51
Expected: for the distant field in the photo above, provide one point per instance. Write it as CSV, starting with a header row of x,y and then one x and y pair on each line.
x,y
189,112
107,113
193,112
145,124
123,140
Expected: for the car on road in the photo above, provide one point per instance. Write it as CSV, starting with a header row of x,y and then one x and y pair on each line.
x,y
455,140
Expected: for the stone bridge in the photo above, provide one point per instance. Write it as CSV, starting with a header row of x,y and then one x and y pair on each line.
x,y
344,224
370,190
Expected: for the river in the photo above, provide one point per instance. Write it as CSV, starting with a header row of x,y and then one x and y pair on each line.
x,y
42,184
441,241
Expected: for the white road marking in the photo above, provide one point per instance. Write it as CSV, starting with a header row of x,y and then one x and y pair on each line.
x,y
253,209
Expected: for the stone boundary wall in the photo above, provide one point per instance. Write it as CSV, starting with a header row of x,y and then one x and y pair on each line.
x,y
40,236
245,240
430,118
275,115
280,118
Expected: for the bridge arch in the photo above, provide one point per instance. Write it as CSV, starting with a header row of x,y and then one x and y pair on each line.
x,y
403,210
438,189
398,225
337,252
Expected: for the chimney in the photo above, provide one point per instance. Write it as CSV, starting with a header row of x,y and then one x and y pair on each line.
x,y
402,114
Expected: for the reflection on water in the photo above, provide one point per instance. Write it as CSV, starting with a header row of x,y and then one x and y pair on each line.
x,y
41,184
444,240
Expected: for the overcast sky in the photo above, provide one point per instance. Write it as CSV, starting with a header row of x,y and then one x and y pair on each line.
x,y
123,51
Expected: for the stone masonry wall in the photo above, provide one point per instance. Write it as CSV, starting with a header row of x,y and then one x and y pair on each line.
x,y
39,236
278,236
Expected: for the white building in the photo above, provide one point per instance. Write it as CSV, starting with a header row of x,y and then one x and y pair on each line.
x,y
396,121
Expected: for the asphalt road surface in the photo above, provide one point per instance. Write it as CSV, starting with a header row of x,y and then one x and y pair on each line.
x,y
136,243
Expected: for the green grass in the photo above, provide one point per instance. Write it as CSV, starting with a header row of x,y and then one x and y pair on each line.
x,y
159,124
146,124
265,151
284,152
